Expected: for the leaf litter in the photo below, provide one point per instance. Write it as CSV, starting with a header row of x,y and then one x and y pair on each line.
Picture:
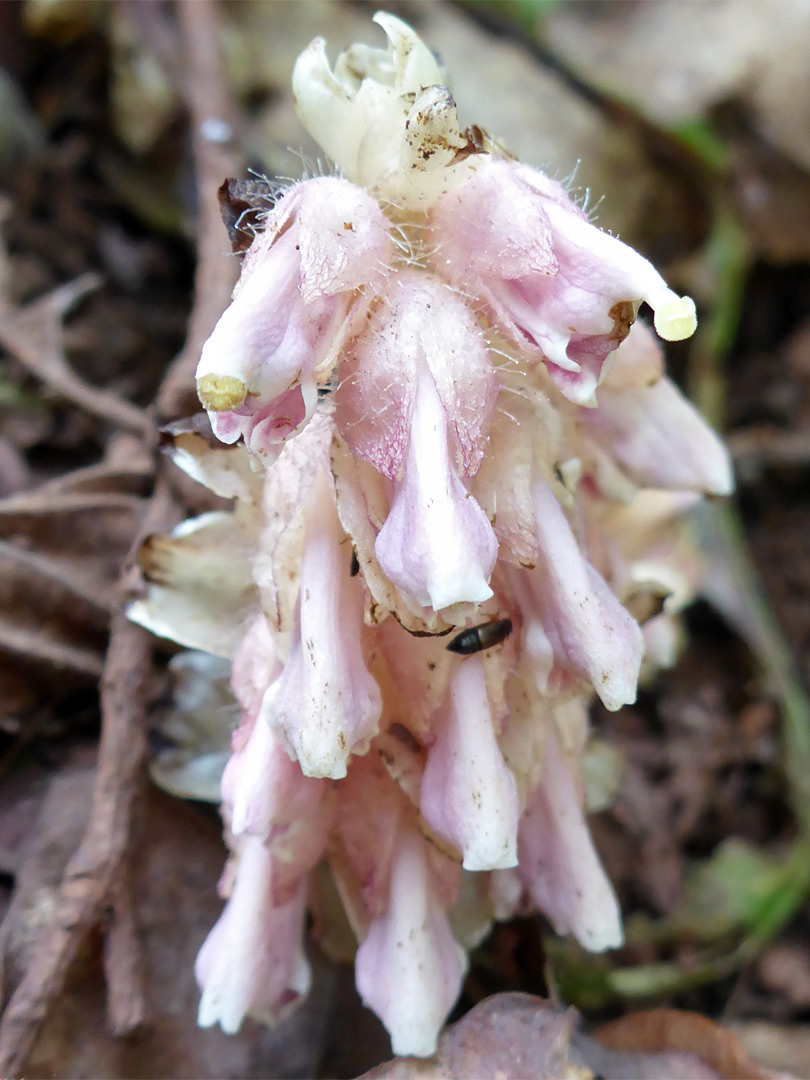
x,y
105,211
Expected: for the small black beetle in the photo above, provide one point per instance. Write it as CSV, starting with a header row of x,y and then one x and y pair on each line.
x,y
477,638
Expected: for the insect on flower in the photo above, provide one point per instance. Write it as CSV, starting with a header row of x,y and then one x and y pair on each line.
x,y
477,638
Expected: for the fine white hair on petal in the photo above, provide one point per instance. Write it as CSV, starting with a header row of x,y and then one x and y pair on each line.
x,y
294,302
551,278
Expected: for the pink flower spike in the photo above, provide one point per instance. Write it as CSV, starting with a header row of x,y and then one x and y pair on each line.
x,y
252,963
558,861
590,632
409,967
325,239
437,545
325,705
468,794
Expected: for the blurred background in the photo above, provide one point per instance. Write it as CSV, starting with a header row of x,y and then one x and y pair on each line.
x,y
685,127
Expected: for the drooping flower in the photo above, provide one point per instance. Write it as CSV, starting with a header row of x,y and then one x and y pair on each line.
x,y
558,861
556,283
253,963
325,704
468,794
416,392
409,966
459,477
295,300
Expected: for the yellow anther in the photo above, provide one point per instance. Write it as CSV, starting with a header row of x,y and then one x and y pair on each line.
x,y
221,392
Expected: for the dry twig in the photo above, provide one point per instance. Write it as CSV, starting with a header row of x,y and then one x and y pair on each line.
x,y
90,874
35,336
96,876
123,971
18,640
40,503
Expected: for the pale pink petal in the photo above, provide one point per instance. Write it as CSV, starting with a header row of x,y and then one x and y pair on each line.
x,y
325,705
409,967
638,361
526,434
572,294
287,491
266,428
660,439
363,500
255,665
558,861
590,632
423,327
437,545
268,335
265,792
325,239
415,398
468,794
368,811
417,675
252,963
601,263
493,223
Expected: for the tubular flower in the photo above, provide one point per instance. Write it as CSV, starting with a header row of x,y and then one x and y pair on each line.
x,y
301,285
459,478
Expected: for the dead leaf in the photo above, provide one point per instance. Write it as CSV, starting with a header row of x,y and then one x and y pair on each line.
x,y
519,1037
659,1030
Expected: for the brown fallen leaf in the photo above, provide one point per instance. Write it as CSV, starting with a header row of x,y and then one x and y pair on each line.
x,y
520,1037
669,1030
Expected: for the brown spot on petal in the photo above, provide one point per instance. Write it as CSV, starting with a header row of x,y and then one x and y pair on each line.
x,y
623,315
218,393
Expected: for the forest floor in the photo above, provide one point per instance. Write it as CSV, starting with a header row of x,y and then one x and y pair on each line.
x,y
111,277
